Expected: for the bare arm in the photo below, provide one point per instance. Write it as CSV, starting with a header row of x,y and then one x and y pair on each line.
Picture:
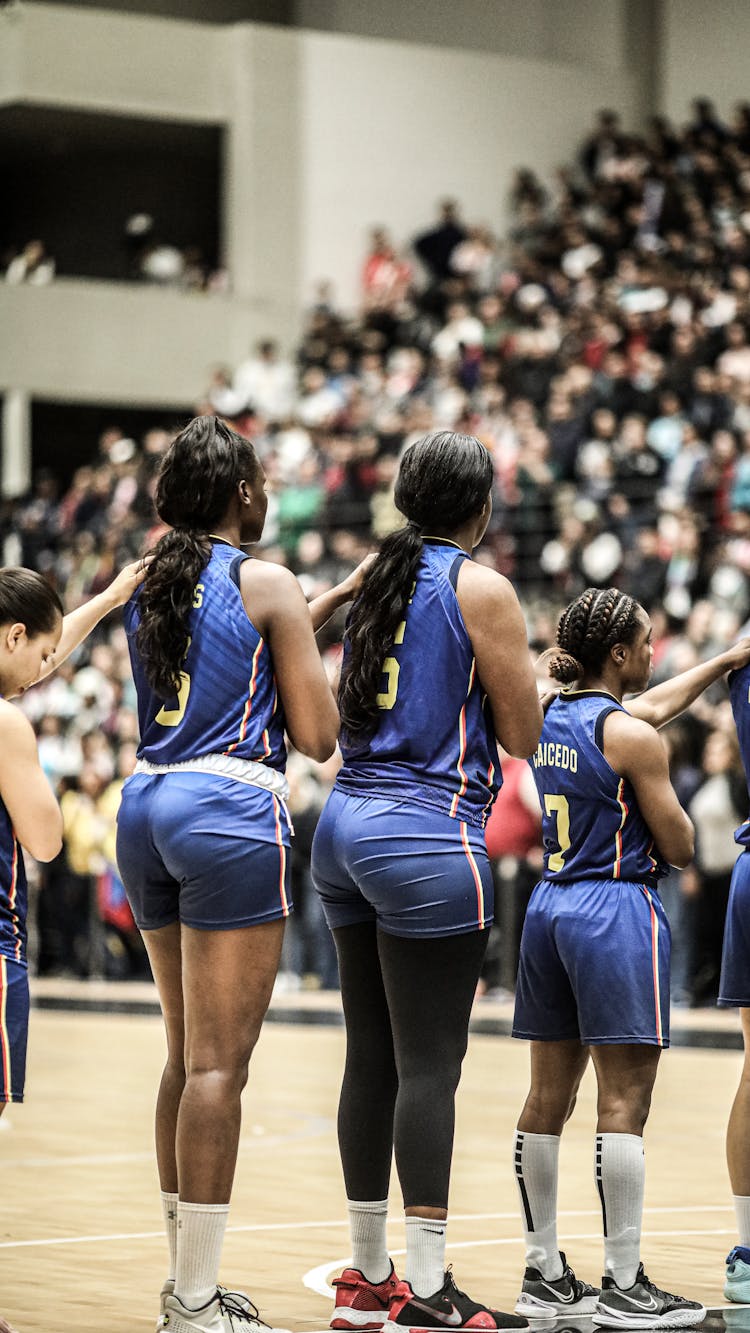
x,y
29,799
276,605
78,624
637,752
323,607
496,627
664,702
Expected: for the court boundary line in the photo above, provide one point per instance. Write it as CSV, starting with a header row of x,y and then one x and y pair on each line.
x,y
241,1228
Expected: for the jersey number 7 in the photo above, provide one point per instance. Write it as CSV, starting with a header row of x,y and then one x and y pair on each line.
x,y
558,806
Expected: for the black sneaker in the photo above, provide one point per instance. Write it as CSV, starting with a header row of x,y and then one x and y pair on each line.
x,y
447,1308
549,1297
644,1305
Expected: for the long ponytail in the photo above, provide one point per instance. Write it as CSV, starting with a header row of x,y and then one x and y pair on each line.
x,y
444,479
200,473
378,612
163,634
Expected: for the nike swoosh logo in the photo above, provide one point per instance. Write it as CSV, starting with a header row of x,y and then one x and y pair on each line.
x,y
566,1300
650,1304
452,1320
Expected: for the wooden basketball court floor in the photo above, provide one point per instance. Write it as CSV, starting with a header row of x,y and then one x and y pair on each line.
x,y
81,1247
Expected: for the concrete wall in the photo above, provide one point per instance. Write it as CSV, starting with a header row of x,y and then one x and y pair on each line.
x,y
108,342
389,128
705,50
121,62
532,29
327,135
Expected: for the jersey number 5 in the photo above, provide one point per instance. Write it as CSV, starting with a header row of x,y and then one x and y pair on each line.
x,y
391,668
558,806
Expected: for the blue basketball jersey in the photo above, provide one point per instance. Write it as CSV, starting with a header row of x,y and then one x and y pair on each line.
x,y
227,701
739,693
435,741
591,825
13,893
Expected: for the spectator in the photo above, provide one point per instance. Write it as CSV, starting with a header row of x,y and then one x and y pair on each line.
x,y
32,265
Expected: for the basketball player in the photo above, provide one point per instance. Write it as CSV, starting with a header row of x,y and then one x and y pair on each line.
x,y
594,968
436,665
734,990
34,639
224,659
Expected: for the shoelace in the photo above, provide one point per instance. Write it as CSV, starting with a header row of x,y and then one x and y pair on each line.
x,y
579,1288
656,1291
450,1287
244,1312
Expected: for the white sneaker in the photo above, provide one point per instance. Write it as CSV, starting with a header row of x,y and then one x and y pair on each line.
x,y
223,1314
168,1290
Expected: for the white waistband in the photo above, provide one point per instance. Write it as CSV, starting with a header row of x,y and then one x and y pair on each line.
x,y
226,766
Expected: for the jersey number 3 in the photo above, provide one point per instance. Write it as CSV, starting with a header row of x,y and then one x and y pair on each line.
x,y
558,806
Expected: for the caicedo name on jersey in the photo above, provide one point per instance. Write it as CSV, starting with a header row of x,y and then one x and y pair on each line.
x,y
551,754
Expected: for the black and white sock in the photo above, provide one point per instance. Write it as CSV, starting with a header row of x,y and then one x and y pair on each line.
x,y
535,1161
620,1177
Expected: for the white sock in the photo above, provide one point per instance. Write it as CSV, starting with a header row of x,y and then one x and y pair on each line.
x,y
369,1249
620,1176
200,1236
742,1213
169,1208
535,1160
425,1255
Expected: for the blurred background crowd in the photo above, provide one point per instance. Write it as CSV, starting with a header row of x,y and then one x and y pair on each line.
x,y
601,350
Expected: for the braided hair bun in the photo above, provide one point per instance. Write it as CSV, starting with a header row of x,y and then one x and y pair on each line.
x,y
589,627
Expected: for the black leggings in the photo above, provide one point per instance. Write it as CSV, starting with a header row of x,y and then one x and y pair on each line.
x,y
407,1004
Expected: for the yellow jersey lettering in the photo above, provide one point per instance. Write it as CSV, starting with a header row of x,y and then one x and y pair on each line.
x,y
553,754
558,806
172,717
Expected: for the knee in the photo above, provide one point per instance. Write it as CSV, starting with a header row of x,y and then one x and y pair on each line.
x,y
224,1066
546,1110
174,1072
224,1080
623,1110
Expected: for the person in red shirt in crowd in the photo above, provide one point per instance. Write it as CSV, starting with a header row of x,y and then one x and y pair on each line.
x,y
514,844
385,277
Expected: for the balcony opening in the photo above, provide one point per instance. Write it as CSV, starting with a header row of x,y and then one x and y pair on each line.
x,y
119,198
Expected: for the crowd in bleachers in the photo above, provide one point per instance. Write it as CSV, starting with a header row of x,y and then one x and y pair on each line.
x,y
600,347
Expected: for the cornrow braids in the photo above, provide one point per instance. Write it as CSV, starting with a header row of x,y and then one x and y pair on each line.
x,y
589,627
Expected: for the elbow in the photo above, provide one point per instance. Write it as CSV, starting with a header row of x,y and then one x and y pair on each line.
x,y
521,740
684,855
322,750
523,748
319,744
45,848
683,850
46,840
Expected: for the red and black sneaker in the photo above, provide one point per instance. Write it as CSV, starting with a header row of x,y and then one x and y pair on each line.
x,y
361,1304
448,1308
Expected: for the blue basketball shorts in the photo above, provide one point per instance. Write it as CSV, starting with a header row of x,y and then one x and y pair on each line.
x,y
202,849
594,965
14,1028
734,987
413,870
